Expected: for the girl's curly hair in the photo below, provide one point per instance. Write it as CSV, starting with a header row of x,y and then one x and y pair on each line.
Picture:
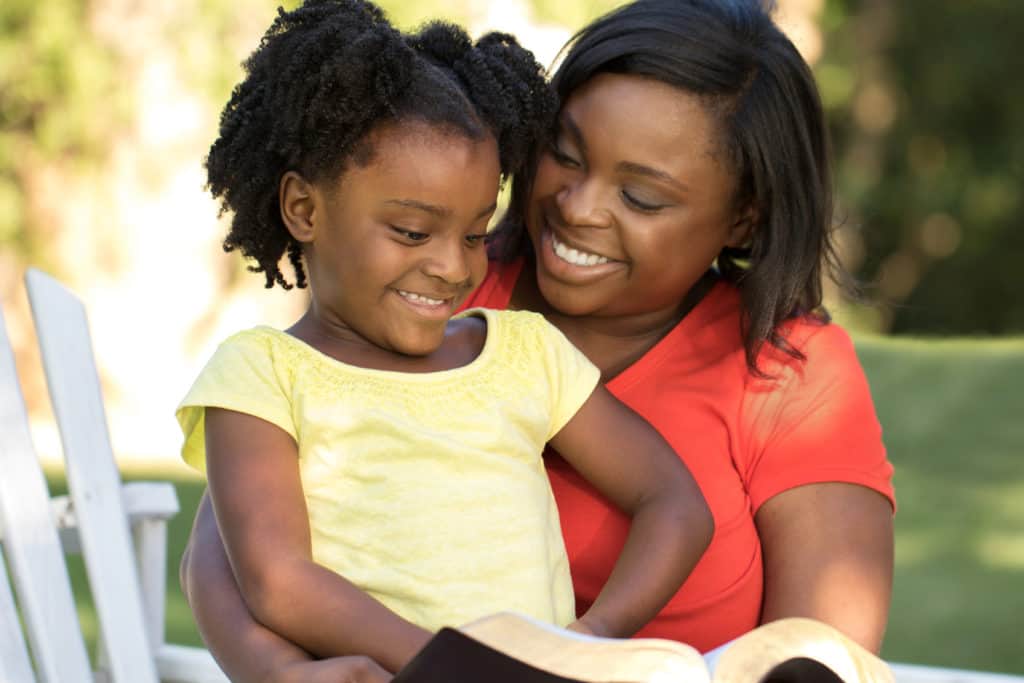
x,y
327,73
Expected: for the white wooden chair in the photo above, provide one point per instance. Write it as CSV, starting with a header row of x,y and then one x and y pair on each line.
x,y
99,518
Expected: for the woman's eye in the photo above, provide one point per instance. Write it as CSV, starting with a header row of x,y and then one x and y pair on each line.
x,y
640,204
475,240
561,157
410,235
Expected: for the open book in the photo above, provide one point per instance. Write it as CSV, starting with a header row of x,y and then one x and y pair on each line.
x,y
512,648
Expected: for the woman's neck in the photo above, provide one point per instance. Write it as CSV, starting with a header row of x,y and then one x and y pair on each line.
x,y
613,344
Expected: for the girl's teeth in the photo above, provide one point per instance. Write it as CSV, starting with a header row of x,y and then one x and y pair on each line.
x,y
576,257
420,299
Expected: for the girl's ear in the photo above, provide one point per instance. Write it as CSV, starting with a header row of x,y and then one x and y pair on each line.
x,y
744,224
297,199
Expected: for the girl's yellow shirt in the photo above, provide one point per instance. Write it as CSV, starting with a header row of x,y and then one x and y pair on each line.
x,y
428,491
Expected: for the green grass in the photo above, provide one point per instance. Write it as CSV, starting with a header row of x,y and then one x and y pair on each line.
x,y
953,414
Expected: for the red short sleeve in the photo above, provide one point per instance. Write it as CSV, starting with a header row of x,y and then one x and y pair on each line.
x,y
815,421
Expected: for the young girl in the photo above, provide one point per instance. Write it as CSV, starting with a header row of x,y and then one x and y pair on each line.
x,y
379,463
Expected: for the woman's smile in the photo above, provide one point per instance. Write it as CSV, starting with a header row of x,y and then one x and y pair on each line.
x,y
572,262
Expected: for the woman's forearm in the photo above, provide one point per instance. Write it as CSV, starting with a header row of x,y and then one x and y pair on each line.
x,y
246,650
327,615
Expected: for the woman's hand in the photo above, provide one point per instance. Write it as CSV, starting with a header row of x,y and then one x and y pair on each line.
x,y
334,670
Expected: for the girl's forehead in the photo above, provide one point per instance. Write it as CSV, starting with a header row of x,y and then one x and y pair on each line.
x,y
403,137
430,164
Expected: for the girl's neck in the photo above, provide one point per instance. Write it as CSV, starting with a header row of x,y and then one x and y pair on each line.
x,y
464,340
613,344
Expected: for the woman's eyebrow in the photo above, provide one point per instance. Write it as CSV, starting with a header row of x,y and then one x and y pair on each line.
x,y
650,172
566,122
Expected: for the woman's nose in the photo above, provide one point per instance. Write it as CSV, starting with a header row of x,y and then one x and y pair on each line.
x,y
582,203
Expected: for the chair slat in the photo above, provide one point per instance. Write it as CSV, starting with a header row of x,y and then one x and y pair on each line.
x,y
15,666
93,480
33,550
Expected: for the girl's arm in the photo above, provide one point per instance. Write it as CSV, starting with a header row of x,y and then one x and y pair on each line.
x,y
247,651
629,462
828,555
260,509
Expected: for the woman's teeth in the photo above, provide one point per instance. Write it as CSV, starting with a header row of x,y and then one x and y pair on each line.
x,y
574,256
419,298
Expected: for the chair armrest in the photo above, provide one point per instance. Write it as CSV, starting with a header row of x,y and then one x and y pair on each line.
x,y
915,673
148,505
182,664
149,500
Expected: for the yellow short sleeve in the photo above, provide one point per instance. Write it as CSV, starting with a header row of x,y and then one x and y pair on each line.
x,y
571,376
242,376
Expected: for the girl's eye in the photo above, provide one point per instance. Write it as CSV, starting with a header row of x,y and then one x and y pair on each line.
x,y
639,204
410,235
475,240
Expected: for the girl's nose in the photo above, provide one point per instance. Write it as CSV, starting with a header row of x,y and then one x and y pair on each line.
x,y
448,260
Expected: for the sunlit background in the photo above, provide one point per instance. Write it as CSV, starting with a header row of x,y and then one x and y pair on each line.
x,y
107,108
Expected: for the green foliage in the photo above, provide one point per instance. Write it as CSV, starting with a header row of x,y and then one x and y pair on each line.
x,y
572,14
58,102
930,135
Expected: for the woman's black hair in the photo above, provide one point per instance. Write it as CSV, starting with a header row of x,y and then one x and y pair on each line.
x,y
772,129
327,73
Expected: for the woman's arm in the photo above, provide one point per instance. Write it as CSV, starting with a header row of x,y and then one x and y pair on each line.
x,y
257,496
828,555
247,651
629,462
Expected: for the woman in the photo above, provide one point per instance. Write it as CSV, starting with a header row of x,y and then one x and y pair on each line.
x,y
676,231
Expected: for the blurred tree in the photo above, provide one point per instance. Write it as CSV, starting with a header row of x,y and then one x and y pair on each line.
x,y
930,141
59,102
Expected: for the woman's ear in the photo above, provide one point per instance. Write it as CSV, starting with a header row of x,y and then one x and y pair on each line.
x,y
297,199
744,224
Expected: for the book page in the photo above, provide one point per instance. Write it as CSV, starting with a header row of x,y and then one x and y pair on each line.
x,y
755,657
589,658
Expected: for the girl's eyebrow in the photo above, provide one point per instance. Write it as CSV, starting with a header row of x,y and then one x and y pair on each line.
x,y
434,209
566,122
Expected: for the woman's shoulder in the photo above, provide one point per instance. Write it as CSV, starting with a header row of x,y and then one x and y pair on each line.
x,y
495,291
810,343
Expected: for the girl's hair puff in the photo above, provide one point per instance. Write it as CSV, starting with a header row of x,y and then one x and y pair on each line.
x,y
326,74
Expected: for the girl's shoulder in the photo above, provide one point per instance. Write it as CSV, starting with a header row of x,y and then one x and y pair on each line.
x,y
262,349
511,328
261,340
